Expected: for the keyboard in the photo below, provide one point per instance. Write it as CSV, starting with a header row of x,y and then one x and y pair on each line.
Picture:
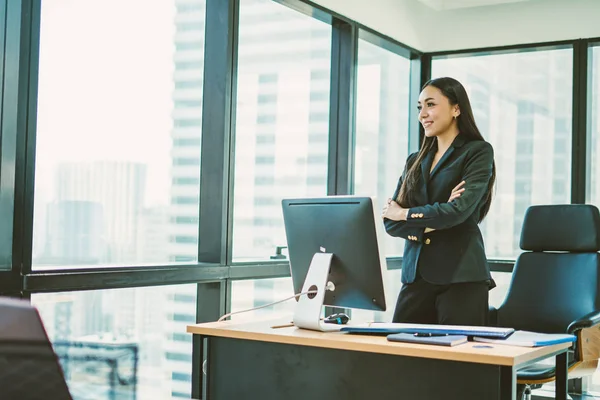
x,y
385,328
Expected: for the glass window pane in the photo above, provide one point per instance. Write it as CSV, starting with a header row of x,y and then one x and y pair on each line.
x,y
96,331
523,106
282,121
118,132
248,294
382,110
593,194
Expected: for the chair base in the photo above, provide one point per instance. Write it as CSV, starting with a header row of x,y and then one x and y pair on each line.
x,y
524,392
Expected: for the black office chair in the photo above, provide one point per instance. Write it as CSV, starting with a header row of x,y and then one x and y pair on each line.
x,y
29,368
555,287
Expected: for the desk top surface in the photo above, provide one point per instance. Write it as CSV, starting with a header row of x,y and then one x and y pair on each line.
x,y
482,353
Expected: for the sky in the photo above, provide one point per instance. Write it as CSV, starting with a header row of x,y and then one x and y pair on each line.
x,y
106,87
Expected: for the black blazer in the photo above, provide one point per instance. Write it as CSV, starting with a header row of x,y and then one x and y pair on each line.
x,y
454,252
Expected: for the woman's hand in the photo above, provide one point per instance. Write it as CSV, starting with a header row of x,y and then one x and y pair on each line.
x,y
393,211
458,189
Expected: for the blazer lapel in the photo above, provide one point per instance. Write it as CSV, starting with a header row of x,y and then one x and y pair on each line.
x,y
441,162
426,166
458,141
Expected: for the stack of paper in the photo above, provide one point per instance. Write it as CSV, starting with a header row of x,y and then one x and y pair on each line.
x,y
442,340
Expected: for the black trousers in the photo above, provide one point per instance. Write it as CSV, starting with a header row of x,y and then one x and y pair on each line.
x,y
422,302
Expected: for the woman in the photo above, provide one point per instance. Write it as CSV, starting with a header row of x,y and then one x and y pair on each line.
x,y
443,194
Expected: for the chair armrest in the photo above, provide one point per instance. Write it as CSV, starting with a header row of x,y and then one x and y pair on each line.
x,y
586,321
493,316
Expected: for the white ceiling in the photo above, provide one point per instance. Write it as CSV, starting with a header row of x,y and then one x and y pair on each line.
x,y
440,5
439,25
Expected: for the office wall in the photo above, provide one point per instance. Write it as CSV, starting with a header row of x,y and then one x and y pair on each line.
x,y
425,29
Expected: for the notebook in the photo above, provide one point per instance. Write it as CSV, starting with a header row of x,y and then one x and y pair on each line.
x,y
384,328
529,339
443,340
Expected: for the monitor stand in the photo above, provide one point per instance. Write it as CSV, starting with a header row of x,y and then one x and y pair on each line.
x,y
308,310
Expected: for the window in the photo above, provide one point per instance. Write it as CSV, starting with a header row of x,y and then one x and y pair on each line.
x,y
119,325
593,193
187,161
521,102
248,294
276,77
194,181
382,110
118,143
185,200
593,189
186,84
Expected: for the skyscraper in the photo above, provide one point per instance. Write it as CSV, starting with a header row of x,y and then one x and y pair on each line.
x,y
75,234
118,187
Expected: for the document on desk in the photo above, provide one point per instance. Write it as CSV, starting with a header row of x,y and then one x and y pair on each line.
x,y
529,339
443,340
397,327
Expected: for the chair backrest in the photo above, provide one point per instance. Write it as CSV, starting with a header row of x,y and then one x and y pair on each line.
x,y
29,368
556,279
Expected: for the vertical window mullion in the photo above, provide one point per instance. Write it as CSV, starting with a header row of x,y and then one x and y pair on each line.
x,y
580,150
344,49
218,113
15,232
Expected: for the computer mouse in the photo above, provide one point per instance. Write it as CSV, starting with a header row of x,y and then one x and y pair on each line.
x,y
340,319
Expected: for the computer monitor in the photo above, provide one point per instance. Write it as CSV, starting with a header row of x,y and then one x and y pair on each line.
x,y
334,251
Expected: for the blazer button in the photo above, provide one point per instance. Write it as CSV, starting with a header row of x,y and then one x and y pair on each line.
x,y
427,241
420,215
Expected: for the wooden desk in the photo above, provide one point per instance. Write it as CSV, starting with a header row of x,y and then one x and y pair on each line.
x,y
254,361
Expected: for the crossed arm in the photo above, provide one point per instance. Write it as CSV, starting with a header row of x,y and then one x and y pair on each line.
x,y
415,221
393,212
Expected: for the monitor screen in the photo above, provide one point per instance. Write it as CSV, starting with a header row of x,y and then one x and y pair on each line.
x,y
346,227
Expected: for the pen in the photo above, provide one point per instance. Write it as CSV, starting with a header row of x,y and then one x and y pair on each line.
x,y
283,326
426,334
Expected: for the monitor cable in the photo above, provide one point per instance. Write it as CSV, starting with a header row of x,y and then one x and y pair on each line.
x,y
270,304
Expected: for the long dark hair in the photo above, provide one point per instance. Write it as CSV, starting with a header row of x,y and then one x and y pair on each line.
x,y
457,95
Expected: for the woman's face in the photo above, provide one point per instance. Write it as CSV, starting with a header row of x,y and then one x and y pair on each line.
x,y
436,114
